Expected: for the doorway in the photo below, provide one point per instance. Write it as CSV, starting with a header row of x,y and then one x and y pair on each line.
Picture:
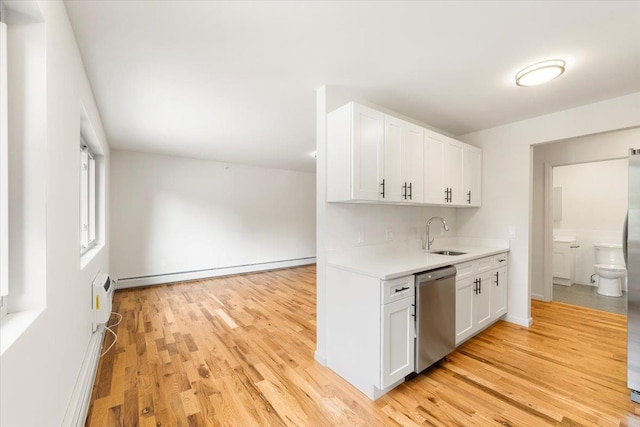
x,y
589,203
582,150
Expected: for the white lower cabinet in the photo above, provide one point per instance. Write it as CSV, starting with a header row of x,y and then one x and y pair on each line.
x,y
398,342
370,329
499,292
481,294
464,308
482,300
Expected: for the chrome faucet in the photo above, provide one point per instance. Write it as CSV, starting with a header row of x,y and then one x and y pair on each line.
x,y
428,241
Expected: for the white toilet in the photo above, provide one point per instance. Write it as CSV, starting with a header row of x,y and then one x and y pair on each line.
x,y
610,269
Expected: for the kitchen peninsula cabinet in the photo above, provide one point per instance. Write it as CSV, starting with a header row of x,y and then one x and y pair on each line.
x,y
370,329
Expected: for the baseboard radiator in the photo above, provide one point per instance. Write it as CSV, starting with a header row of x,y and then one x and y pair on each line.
x,y
79,404
158,279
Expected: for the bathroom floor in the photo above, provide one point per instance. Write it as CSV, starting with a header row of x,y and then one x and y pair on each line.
x,y
587,296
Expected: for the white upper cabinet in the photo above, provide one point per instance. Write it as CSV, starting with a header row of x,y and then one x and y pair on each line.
x,y
434,188
403,145
472,175
393,129
376,157
412,162
355,151
453,173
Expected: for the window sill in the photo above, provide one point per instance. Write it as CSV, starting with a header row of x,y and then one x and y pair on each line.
x,y
86,257
14,324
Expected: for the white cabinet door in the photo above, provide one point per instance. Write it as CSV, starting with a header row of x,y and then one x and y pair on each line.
x,y
499,292
412,162
482,300
393,130
434,187
398,333
464,308
453,173
368,153
563,260
472,175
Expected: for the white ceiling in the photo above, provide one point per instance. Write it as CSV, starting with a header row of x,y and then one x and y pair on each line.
x,y
236,81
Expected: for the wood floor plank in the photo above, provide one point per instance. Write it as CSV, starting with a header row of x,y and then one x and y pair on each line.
x,y
238,350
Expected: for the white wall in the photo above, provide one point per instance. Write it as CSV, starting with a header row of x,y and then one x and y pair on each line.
x,y
507,183
591,148
173,214
38,372
594,200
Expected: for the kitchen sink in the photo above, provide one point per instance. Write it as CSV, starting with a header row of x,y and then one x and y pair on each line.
x,y
448,253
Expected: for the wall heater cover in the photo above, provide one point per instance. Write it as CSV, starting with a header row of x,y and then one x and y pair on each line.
x,y
103,289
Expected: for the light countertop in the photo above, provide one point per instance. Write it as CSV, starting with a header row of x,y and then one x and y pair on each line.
x,y
393,262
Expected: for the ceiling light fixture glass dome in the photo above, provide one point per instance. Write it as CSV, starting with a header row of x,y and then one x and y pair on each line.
x,y
541,72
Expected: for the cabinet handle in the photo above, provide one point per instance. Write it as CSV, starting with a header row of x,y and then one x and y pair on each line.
x,y
497,279
475,288
404,191
382,194
502,260
404,288
410,192
469,197
447,195
448,198
450,195
480,285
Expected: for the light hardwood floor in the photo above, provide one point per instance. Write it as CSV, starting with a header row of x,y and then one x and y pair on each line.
x,y
239,351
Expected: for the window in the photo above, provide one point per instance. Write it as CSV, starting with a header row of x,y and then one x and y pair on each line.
x,y
87,198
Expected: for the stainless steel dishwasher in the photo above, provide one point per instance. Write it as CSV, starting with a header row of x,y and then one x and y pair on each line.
x,y
435,316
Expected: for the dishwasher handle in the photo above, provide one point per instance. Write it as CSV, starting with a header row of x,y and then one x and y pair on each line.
x,y
437,274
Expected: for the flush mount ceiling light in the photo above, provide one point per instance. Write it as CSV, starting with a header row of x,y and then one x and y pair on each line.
x,y
541,72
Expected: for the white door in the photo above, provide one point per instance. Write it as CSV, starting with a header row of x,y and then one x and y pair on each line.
x,y
499,292
472,175
482,300
398,334
453,173
464,308
393,129
412,162
434,188
368,153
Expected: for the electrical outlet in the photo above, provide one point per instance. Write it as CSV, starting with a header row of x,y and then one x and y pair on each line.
x,y
360,236
512,232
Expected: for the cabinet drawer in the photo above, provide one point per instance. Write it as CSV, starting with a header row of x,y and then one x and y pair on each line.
x,y
464,270
396,289
500,260
484,264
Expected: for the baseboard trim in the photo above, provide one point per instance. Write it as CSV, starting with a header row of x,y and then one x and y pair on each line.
x,y
519,320
539,297
159,279
78,408
320,358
